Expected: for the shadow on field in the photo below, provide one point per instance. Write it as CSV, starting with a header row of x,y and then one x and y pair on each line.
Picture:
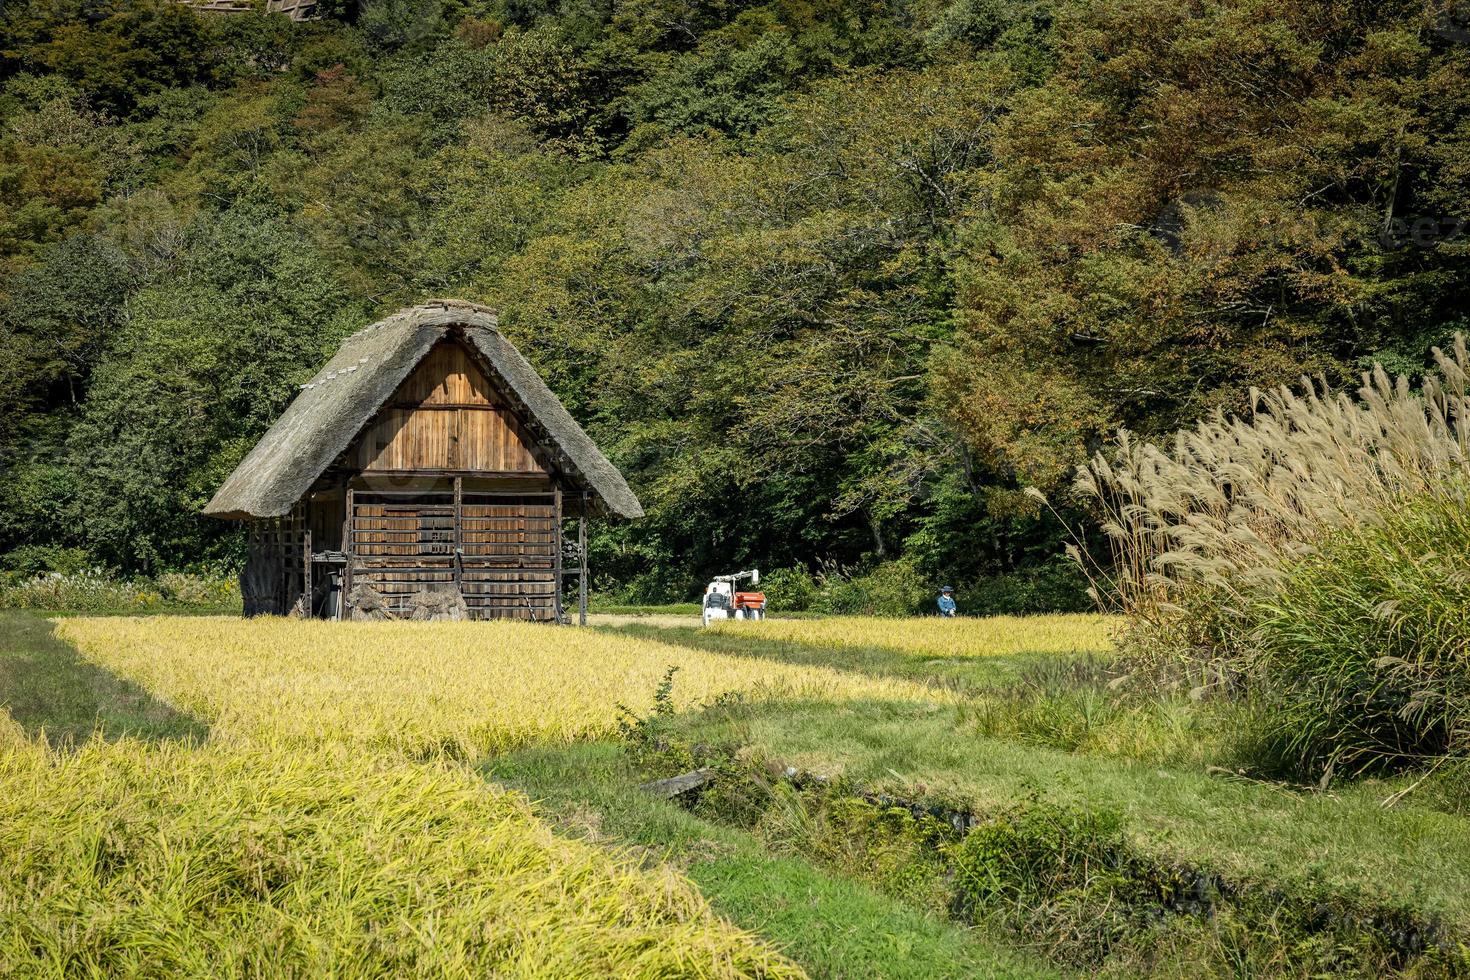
x,y
968,674
47,687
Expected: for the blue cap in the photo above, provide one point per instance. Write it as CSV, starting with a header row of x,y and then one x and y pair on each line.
x,y
946,589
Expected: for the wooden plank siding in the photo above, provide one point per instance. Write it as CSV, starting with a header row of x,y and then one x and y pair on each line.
x,y
446,376
446,416
445,489
507,568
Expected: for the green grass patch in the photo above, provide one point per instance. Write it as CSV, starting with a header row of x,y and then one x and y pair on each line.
x,y
1064,701
668,609
47,687
831,925
1342,844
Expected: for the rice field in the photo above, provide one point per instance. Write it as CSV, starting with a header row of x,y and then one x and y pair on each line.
x,y
427,689
338,819
932,636
125,859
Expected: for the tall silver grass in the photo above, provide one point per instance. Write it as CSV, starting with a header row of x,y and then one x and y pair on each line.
x,y
1199,524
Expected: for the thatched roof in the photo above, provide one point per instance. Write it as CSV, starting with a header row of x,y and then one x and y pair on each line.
x,y
332,408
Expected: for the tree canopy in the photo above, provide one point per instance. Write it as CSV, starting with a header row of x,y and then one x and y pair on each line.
x,y
830,280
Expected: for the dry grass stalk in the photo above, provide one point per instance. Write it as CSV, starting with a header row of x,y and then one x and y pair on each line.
x,y
1220,511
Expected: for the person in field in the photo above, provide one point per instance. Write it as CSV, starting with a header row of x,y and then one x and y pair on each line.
x,y
946,602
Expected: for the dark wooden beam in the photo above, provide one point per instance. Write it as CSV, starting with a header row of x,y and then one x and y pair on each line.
x,y
306,565
348,549
458,524
582,571
556,550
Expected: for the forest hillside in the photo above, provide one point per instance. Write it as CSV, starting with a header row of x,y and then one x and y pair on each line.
x,y
832,281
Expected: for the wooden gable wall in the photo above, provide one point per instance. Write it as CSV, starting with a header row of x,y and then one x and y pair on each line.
x,y
446,416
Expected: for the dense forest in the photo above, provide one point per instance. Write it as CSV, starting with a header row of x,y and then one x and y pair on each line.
x,y
832,281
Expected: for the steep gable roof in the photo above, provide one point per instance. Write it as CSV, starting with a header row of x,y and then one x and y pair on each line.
x,y
332,408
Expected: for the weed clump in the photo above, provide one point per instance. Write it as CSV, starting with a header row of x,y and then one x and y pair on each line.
x,y
1363,648
875,840
102,590
1039,850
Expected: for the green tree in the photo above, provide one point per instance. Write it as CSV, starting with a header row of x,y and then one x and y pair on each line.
x,y
116,52
208,358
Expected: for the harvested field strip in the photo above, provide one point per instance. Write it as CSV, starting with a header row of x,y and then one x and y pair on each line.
x,y
1344,843
127,859
428,689
932,636
47,687
960,675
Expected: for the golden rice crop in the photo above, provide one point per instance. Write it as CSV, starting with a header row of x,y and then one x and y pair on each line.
x,y
126,859
11,732
933,636
427,688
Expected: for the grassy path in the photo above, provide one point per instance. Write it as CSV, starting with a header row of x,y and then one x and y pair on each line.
x,y
831,925
46,686
1345,842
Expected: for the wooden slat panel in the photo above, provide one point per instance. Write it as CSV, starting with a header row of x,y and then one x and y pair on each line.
x,y
446,415
404,544
446,376
458,439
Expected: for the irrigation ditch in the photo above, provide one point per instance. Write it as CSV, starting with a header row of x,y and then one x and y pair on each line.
x,y
1059,877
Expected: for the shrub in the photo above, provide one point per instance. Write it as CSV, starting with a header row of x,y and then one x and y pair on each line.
x,y
99,590
898,589
894,588
1056,587
38,559
790,590
93,590
1362,649
205,590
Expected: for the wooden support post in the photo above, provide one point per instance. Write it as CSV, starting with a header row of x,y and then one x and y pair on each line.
x,y
306,570
280,557
556,554
458,536
582,563
349,549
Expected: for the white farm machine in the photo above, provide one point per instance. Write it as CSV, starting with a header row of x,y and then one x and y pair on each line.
x,y
722,600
